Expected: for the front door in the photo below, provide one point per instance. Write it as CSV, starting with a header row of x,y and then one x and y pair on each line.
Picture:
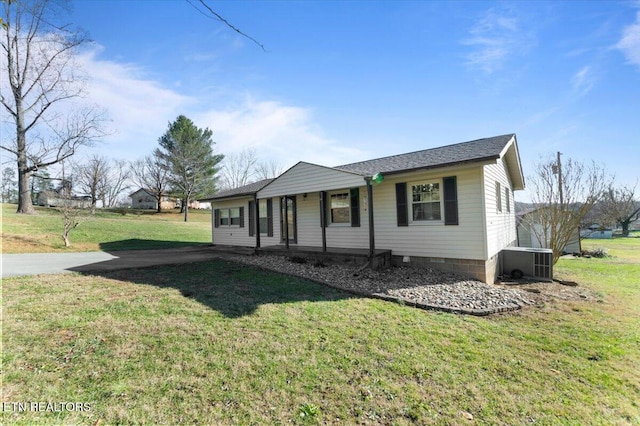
x,y
288,219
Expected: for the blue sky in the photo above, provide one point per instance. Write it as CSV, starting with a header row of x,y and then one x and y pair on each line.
x,y
348,81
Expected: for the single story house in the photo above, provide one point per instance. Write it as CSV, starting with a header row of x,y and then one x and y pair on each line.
x,y
143,199
596,231
55,199
531,232
450,208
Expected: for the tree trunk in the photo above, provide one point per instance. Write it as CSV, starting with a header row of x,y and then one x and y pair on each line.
x,y
159,201
186,209
625,228
25,203
65,237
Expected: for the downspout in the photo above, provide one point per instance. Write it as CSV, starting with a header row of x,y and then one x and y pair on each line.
x,y
323,220
372,242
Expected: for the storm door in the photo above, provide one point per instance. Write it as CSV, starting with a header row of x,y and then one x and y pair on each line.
x,y
288,219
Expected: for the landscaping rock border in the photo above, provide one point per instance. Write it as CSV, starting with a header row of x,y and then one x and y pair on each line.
x,y
419,287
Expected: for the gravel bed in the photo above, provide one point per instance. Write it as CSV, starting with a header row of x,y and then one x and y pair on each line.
x,y
420,287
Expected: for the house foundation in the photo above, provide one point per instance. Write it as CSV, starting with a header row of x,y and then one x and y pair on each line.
x,y
485,271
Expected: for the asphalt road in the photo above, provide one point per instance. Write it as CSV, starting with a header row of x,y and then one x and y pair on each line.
x,y
54,263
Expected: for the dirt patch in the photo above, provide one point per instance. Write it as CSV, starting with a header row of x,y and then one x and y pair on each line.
x,y
541,292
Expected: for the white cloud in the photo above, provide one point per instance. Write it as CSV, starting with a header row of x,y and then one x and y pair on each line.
x,y
629,44
140,109
278,132
495,38
583,80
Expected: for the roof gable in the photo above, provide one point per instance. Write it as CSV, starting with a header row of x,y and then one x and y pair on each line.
x,y
307,177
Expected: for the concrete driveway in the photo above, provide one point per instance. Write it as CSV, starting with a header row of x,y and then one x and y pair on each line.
x,y
54,263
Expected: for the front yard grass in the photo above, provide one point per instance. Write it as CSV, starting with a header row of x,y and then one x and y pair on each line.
x,y
221,343
117,229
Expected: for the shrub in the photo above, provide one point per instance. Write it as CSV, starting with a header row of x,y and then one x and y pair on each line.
x,y
598,252
298,259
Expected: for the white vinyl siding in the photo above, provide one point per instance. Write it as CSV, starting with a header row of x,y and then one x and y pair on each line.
x,y
480,234
500,225
307,178
462,241
234,235
340,235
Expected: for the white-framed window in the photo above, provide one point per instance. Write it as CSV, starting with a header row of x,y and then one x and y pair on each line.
x,y
230,217
498,198
264,217
425,201
339,207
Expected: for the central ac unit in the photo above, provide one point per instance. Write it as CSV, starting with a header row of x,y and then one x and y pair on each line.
x,y
527,262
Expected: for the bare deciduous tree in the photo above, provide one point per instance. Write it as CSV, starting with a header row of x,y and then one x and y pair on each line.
x,y
242,168
90,178
116,181
152,176
102,180
238,169
40,78
564,194
73,211
620,207
268,170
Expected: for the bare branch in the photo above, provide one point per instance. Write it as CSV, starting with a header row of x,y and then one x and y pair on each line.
x,y
564,202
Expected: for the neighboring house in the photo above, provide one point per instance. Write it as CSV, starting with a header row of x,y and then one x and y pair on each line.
x,y
596,231
199,205
53,199
532,234
449,208
142,199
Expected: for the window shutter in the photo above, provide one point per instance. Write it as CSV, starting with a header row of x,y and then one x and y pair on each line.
x,y
252,218
269,217
450,200
323,209
241,217
354,194
216,218
401,204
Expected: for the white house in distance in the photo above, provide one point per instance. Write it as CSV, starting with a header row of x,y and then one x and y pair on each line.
x,y
531,233
143,199
449,208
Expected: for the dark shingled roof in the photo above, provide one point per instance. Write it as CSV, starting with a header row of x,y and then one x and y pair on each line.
x,y
465,152
249,189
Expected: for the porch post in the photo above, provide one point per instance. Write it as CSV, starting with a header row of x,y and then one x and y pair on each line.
x,y
372,242
257,219
323,220
286,221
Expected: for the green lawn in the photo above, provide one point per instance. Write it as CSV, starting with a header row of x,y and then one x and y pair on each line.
x,y
220,343
124,229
